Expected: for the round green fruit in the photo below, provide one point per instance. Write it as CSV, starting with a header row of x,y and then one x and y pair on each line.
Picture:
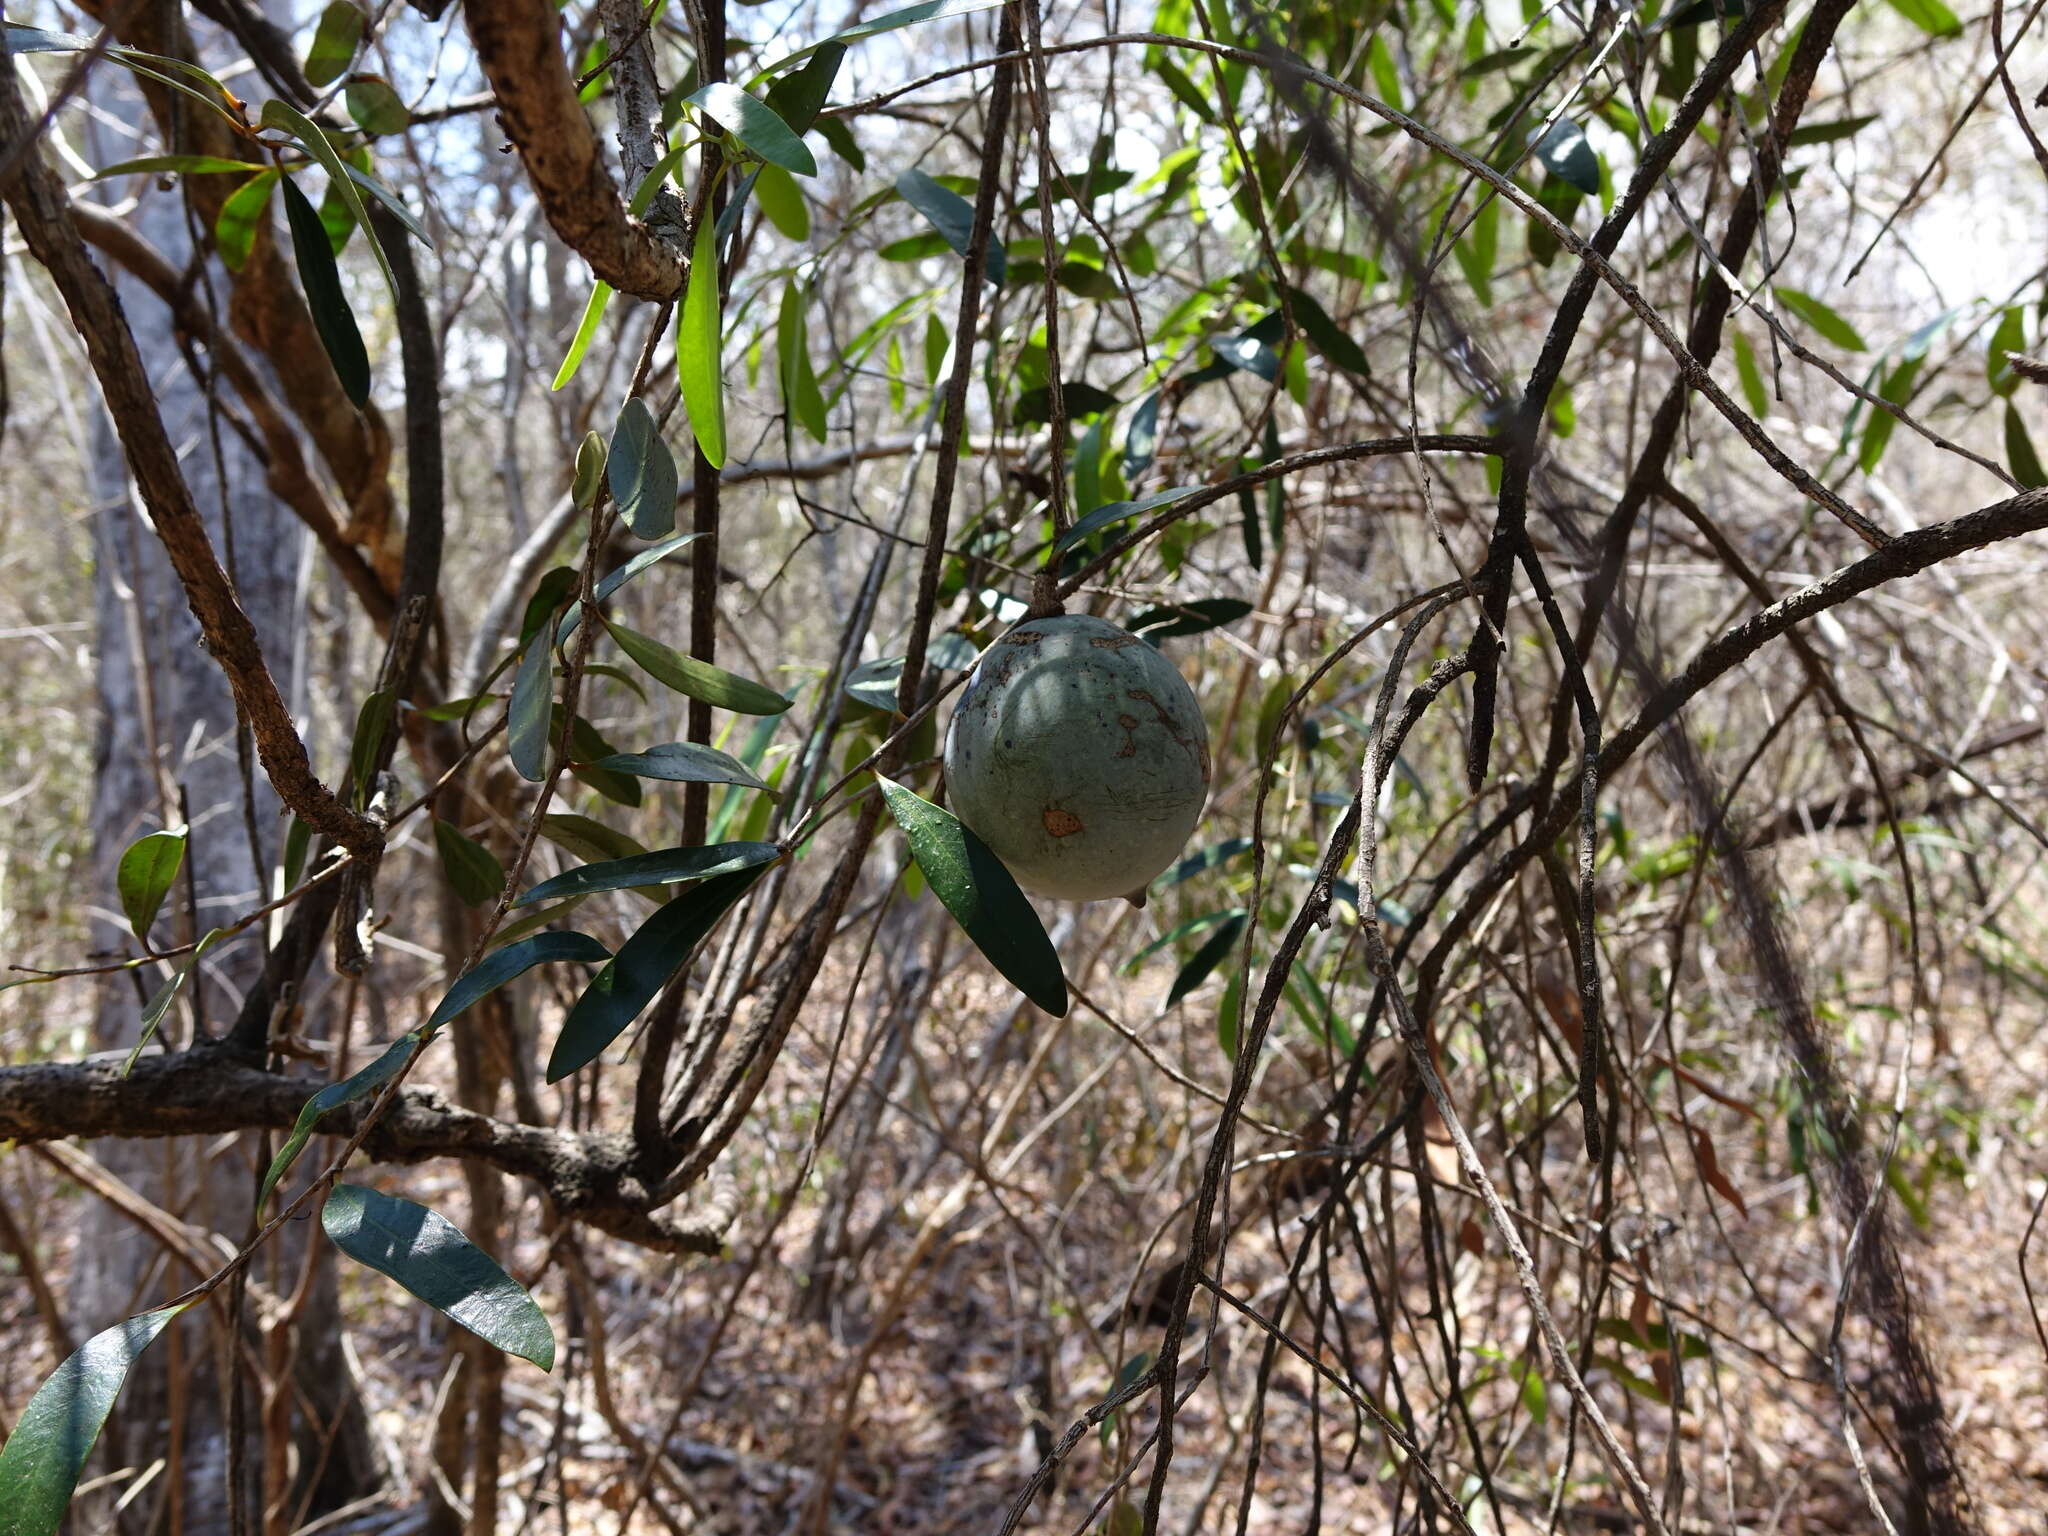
x,y
1078,754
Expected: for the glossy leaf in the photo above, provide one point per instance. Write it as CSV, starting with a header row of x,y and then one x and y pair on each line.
x,y
758,126
472,869
633,567
910,15
373,721
332,318
951,215
590,472
1930,16
781,200
2020,456
642,472
1171,622
666,866
283,115
334,45
372,1077
1568,156
697,348
982,896
1119,511
586,330
160,1001
180,165
1141,437
1326,335
1824,320
43,1457
697,679
145,875
1750,376
502,965
240,216
527,717
683,762
1205,960
642,968
1209,858
800,395
376,108
797,98
430,1257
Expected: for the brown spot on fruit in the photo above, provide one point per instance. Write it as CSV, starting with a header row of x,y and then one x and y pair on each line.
x,y
1115,642
1130,746
1061,823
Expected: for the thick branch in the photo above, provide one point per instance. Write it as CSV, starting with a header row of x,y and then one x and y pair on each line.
x,y
519,46
210,1090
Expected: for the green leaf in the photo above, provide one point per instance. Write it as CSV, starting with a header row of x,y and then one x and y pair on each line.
x,y
1201,863
776,191
502,965
145,874
642,968
1141,437
800,395
427,1255
587,839
1829,132
183,165
982,896
288,118
683,762
1207,958
1186,930
1567,155
798,98
2019,450
1824,320
697,345
376,108
1897,388
160,1001
1751,376
372,721
1326,335
1177,619
1930,16
2010,335
1079,396
335,42
667,866
332,1097
298,837
42,1460
321,279
472,868
697,679
240,216
756,125
527,717
951,215
640,562
843,143
359,176
1119,511
590,457
910,15
586,329
642,472
336,220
